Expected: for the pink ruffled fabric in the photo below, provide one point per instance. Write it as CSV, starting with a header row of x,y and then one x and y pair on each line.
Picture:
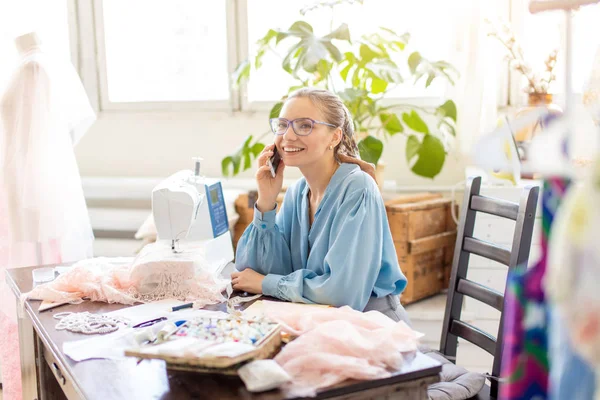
x,y
155,274
336,344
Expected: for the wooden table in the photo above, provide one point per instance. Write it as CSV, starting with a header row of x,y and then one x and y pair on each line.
x,y
49,374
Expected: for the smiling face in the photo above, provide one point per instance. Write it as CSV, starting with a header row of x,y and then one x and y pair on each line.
x,y
299,151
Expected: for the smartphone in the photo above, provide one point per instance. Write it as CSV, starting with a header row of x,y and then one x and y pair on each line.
x,y
274,162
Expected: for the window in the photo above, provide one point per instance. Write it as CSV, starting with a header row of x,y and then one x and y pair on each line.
x,y
432,34
541,33
163,51
50,23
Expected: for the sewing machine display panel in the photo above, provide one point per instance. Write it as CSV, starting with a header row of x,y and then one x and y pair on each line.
x,y
216,207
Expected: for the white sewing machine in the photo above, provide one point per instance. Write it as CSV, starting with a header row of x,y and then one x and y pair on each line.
x,y
190,208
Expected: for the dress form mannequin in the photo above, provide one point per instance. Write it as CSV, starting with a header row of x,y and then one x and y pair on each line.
x,y
12,107
27,42
43,216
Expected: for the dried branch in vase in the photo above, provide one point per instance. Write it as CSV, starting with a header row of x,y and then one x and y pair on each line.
x,y
537,83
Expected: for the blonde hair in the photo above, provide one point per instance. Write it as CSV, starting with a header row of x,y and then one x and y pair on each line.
x,y
334,112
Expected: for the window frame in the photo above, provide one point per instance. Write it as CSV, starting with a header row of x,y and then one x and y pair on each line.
x,y
94,38
89,57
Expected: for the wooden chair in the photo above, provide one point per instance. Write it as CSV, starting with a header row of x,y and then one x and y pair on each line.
x,y
524,215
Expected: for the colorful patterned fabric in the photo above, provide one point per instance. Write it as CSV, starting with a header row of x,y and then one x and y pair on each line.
x,y
525,363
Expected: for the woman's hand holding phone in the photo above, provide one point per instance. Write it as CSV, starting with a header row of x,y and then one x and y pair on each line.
x,y
268,186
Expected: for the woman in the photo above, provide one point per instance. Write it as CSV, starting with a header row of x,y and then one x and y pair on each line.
x,y
331,242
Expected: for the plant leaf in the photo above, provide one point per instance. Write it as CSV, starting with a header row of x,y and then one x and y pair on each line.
x,y
448,109
391,123
386,69
271,33
341,33
370,149
323,68
431,157
226,163
413,61
242,72
275,110
412,147
299,29
247,160
336,54
430,79
345,70
378,85
286,64
414,122
257,148
366,54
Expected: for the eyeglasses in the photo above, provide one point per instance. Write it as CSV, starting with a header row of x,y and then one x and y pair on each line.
x,y
301,126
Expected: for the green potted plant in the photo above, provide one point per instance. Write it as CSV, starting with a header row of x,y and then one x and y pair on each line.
x,y
362,72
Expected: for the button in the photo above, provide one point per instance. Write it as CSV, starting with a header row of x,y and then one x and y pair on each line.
x,y
264,226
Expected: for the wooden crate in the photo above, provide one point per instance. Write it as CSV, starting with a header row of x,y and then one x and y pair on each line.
x,y
424,235
244,206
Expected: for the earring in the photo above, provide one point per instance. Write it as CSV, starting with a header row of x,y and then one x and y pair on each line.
x,y
330,147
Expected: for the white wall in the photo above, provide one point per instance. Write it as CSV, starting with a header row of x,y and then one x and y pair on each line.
x,y
157,143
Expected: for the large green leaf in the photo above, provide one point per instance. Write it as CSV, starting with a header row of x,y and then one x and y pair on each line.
x,y
310,49
341,33
421,67
378,85
414,122
370,149
386,69
448,109
298,29
430,155
391,123
275,110
367,53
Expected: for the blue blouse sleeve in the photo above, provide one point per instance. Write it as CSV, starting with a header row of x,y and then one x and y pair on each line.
x,y
264,246
352,263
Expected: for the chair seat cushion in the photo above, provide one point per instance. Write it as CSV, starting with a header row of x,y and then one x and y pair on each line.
x,y
456,383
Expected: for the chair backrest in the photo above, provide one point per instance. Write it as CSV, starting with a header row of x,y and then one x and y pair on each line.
x,y
524,215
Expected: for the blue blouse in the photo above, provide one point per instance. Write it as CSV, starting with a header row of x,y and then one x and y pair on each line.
x,y
345,257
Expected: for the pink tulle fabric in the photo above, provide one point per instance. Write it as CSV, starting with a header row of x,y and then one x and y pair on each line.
x,y
10,359
336,344
155,274
15,256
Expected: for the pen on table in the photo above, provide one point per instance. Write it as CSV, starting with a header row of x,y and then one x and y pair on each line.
x,y
149,323
182,306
